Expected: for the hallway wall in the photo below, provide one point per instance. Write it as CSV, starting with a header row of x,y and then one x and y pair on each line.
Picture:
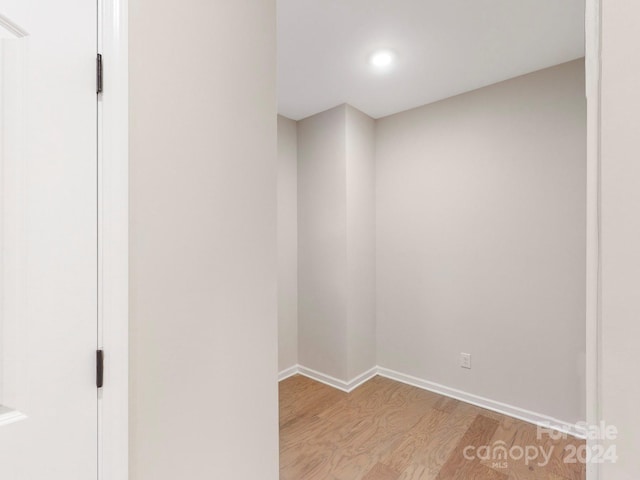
x,y
620,234
203,170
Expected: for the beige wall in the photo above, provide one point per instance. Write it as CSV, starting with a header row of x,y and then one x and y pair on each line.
x,y
203,240
481,241
322,243
336,309
620,213
287,243
360,172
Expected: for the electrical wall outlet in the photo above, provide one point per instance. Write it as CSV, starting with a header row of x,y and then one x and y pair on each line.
x,y
465,360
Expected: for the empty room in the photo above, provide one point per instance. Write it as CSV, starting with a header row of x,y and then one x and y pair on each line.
x,y
432,248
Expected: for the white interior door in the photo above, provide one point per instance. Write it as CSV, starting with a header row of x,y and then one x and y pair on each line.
x,y
48,286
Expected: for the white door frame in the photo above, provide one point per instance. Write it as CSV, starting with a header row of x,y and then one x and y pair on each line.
x,y
113,241
113,206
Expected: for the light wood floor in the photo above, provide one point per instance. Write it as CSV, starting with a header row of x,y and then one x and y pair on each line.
x,y
385,430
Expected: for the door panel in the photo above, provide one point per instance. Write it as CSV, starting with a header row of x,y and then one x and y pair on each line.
x,y
48,254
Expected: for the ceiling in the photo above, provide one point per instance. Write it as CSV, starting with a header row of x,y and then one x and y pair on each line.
x,y
443,48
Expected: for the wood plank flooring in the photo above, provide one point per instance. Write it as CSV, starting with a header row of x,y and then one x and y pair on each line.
x,y
386,430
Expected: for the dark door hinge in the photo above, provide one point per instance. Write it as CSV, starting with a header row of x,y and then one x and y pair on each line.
x,y
99,74
99,368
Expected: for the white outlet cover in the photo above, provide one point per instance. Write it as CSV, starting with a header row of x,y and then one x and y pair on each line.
x,y
465,360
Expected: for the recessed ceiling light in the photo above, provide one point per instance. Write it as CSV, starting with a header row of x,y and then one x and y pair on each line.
x,y
382,59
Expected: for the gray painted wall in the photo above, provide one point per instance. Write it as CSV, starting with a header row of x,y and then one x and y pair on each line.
x,y
336,242
361,303
481,241
287,243
322,243
203,240
620,213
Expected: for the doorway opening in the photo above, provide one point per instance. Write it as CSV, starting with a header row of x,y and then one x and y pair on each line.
x,y
422,221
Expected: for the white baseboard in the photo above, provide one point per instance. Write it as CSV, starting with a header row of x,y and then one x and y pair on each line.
x,y
8,416
288,372
499,407
328,379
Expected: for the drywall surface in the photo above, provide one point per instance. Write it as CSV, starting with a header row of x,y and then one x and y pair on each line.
x,y
620,237
322,243
360,171
336,259
481,241
203,240
287,243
